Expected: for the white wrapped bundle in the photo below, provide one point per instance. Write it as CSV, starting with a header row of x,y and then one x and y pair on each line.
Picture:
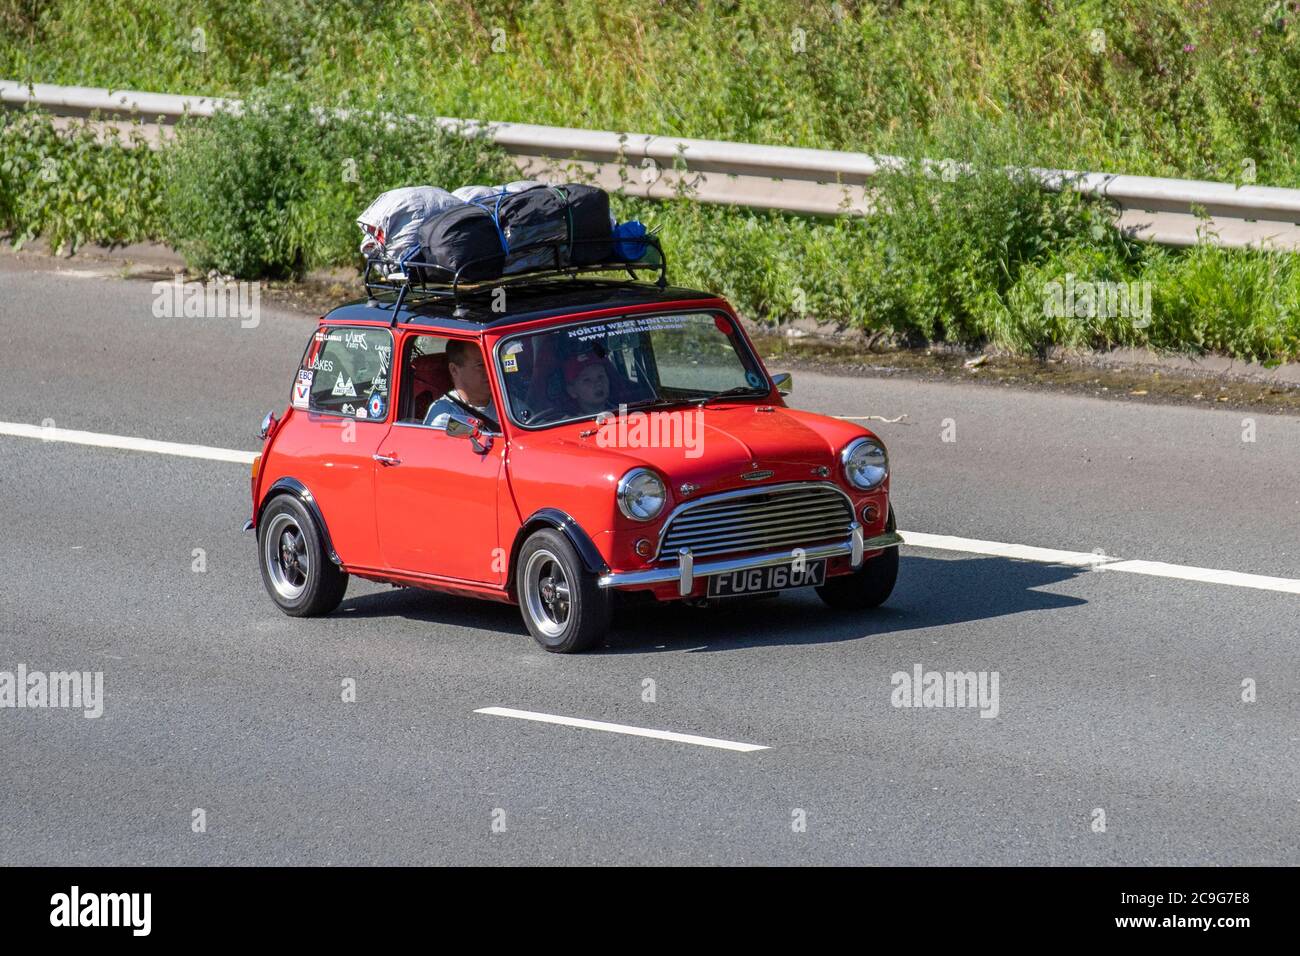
x,y
473,193
392,222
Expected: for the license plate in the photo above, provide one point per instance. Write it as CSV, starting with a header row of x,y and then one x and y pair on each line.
x,y
757,580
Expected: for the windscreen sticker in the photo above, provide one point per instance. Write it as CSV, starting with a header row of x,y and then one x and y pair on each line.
x,y
342,387
510,363
376,406
302,389
646,323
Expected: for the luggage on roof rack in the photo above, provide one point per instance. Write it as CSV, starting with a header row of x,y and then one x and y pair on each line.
x,y
532,223
419,279
464,240
391,224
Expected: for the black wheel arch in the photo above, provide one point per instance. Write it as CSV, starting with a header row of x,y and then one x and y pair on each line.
x,y
292,486
564,523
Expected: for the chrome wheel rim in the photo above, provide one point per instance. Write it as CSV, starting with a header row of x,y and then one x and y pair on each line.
x,y
546,593
285,553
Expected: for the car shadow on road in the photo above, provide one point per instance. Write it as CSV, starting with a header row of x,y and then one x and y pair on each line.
x,y
931,592
432,607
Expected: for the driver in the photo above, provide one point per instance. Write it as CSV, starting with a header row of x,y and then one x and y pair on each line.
x,y
469,387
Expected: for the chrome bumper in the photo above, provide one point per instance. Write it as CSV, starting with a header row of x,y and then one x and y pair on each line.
x,y
688,569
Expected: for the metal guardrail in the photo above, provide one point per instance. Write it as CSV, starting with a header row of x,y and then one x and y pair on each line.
x,y
1176,212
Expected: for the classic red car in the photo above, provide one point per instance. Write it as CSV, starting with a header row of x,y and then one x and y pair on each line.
x,y
552,442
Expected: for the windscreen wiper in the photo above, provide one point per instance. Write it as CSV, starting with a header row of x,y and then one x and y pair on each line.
x,y
737,390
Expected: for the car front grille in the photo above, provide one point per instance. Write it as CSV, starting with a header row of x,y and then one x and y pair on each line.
x,y
759,519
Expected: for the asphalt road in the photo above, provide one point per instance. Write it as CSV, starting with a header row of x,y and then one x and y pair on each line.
x,y
1118,692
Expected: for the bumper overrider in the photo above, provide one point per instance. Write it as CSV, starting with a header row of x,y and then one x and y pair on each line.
x,y
687,570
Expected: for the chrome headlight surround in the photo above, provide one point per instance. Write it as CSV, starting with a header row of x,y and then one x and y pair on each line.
x,y
641,494
865,463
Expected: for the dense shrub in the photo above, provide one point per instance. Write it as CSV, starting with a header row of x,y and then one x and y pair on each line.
x,y
276,190
71,188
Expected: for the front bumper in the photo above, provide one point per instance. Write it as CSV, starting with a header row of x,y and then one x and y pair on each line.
x,y
687,570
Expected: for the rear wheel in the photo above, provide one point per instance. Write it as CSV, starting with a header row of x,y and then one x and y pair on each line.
x,y
563,607
867,587
298,574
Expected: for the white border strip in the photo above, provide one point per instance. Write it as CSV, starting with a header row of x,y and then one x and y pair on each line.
x,y
99,440
620,729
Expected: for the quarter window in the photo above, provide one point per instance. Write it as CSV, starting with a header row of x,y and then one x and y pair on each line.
x,y
346,372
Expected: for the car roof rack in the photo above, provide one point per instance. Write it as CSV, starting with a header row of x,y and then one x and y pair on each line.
x,y
416,280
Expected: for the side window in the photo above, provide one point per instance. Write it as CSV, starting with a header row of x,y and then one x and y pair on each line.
x,y
425,378
346,372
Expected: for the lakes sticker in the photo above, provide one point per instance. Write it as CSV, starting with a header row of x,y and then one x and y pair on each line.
x,y
342,387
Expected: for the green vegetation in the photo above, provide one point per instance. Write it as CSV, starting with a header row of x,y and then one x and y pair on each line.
x,y
276,191
70,188
1166,87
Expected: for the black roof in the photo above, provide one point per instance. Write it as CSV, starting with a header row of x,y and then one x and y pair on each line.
x,y
472,311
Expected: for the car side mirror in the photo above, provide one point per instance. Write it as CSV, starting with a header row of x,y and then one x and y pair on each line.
x,y
462,426
784,382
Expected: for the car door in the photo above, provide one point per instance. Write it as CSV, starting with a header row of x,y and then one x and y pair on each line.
x,y
329,441
436,495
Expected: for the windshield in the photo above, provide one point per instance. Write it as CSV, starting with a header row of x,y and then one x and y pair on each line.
x,y
579,371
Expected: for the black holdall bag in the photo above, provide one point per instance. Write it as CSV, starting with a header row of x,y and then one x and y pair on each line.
x,y
589,224
464,237
539,214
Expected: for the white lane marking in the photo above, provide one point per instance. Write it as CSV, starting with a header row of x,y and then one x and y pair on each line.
x,y
1101,562
620,729
99,440
1024,552
1207,575
919,539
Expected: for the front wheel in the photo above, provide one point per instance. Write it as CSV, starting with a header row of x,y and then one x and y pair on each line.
x,y
297,572
867,587
563,607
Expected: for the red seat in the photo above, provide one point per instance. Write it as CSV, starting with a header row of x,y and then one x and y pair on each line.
x,y
430,381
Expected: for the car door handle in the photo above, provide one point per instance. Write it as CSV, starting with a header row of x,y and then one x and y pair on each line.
x,y
387,459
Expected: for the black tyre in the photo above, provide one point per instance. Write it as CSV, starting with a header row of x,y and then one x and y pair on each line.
x,y
867,587
297,572
563,607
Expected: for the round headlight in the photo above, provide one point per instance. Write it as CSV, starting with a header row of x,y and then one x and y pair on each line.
x,y
641,495
865,463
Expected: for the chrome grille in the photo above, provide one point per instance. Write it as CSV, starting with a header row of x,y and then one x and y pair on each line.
x,y
758,519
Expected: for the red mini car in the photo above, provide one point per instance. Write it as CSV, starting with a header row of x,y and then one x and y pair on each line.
x,y
551,442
